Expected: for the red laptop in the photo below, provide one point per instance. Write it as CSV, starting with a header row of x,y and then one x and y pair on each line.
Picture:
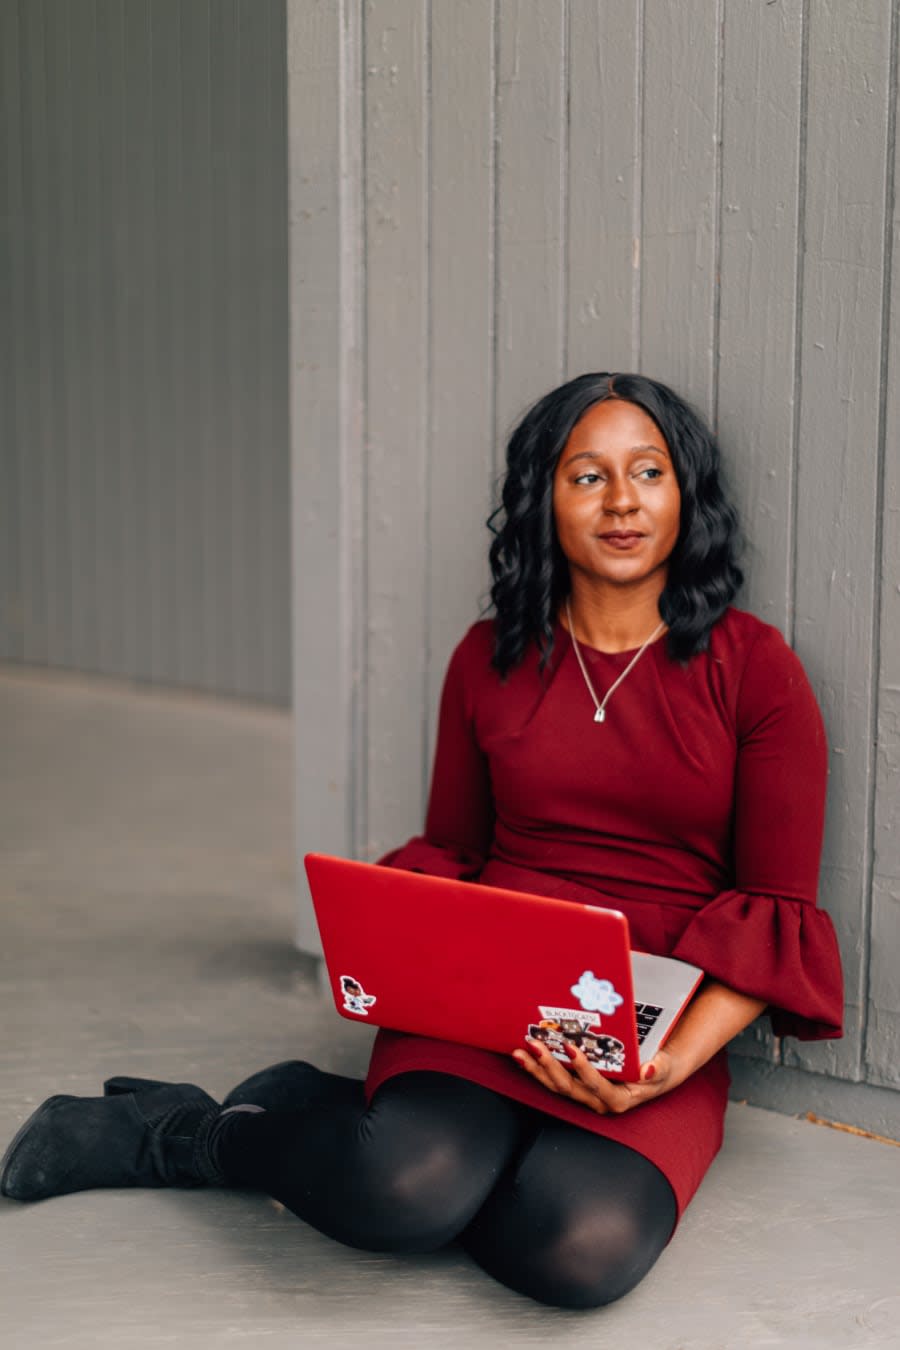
x,y
487,967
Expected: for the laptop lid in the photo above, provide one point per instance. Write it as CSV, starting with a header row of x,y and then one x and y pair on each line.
x,y
481,965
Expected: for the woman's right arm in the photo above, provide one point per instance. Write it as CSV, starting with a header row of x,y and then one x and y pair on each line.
x,y
459,823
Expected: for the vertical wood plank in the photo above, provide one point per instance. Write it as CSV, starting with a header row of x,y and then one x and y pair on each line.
x,y
268,585
678,250
272,599
249,36
217,554
239,237
273,392
882,1047
137,443
56,313
220,502
396,38
110,261
143,378
758,274
460,441
532,165
77,186
176,200
159,318
193,368
761,135
62,480
12,374
39,523
103,580
325,130
604,186
841,354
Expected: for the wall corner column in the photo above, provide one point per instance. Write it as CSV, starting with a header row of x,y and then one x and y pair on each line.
x,y
325,271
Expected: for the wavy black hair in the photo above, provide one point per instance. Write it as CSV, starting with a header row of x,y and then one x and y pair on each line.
x,y
530,572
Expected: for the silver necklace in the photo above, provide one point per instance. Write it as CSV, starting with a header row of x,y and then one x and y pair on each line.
x,y
600,714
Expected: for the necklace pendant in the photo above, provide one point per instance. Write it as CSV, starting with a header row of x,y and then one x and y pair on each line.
x,y
600,715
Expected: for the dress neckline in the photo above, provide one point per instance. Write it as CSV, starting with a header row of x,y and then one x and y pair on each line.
x,y
600,651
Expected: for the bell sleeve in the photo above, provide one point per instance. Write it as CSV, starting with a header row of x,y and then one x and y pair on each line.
x,y
767,937
459,823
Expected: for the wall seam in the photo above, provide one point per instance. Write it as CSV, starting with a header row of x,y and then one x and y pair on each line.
x,y
637,215
797,382
353,411
427,181
494,230
51,359
880,470
565,139
19,385
799,283
180,525
361,682
719,142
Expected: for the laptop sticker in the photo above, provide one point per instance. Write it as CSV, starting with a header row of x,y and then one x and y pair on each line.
x,y
596,995
602,1051
578,1018
356,1000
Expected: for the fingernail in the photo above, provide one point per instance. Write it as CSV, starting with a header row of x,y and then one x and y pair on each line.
x,y
570,1050
649,1072
534,1050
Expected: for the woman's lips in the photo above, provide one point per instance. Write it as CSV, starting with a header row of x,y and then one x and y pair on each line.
x,y
622,541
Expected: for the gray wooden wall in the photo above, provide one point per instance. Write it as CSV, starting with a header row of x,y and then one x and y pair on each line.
x,y
144,460
488,196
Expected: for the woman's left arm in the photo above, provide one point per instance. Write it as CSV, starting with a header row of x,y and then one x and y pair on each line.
x,y
713,1017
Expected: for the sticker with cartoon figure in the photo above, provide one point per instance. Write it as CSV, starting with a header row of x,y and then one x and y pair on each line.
x,y
356,1000
602,1051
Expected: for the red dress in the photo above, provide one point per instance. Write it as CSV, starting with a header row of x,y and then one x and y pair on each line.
x,y
696,808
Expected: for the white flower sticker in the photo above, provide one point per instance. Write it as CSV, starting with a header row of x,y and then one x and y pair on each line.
x,y
596,995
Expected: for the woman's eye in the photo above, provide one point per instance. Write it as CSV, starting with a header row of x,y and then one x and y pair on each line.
x,y
650,474
588,478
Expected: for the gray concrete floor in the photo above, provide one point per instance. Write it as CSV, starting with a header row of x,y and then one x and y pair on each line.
x,y
147,901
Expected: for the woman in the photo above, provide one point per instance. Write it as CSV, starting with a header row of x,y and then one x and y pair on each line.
x,y
617,735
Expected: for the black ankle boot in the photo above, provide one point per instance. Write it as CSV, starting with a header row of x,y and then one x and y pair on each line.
x,y
158,1137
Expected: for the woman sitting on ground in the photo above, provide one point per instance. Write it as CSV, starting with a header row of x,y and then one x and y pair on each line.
x,y
616,735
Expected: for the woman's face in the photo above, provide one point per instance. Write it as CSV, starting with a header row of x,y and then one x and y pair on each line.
x,y
616,500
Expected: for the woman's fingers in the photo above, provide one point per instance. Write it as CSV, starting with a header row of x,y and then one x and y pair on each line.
x,y
612,1095
656,1070
546,1068
581,1082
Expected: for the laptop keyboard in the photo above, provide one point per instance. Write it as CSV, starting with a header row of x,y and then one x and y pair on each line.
x,y
647,1015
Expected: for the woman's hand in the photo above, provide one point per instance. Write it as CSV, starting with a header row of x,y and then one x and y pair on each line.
x,y
582,1083
713,1017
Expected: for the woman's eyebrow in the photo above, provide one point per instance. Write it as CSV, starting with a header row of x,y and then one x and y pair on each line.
x,y
635,450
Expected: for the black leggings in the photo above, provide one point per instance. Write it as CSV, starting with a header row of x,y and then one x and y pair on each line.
x,y
565,1216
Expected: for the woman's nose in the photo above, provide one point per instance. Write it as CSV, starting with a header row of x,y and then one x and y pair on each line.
x,y
621,495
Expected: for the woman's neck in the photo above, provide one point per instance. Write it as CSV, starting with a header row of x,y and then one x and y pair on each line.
x,y
613,619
